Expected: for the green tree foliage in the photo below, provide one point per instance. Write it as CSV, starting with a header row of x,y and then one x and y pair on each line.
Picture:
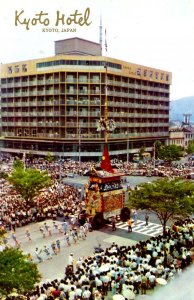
x,y
18,164
50,157
169,153
3,175
141,152
29,182
2,232
157,146
17,272
168,199
190,148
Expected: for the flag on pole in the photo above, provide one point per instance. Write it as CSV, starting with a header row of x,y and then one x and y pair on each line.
x,y
105,163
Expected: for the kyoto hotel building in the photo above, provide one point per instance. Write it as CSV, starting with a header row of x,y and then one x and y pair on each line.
x,y
54,104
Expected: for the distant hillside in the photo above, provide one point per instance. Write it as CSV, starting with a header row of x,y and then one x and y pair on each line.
x,y
180,107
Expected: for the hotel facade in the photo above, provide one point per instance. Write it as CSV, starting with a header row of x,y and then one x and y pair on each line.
x,y
54,104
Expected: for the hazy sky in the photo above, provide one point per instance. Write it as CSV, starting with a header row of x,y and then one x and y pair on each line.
x,y
155,33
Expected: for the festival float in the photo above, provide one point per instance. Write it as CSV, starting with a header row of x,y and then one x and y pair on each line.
x,y
104,193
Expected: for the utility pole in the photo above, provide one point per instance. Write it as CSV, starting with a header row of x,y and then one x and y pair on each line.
x,y
79,136
60,177
127,150
24,160
154,155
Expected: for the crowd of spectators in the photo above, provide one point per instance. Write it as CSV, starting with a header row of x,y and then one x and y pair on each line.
x,y
117,268
60,200
123,269
64,167
52,203
61,167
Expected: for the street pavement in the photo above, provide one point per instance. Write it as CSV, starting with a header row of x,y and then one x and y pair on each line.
x,y
140,226
132,181
55,267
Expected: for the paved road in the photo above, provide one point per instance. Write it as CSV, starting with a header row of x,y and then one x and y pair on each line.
x,y
79,182
54,268
152,229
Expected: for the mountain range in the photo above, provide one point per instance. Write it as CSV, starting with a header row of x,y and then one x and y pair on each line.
x,y
182,106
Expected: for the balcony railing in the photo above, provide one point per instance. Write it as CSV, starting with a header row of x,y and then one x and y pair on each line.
x,y
71,136
17,94
71,80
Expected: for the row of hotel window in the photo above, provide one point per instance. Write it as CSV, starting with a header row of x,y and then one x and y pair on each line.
x,y
65,62
139,71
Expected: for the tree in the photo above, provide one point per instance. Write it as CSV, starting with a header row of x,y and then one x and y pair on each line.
x,y
141,152
190,148
169,153
17,272
166,198
3,175
50,157
29,182
18,164
157,147
2,233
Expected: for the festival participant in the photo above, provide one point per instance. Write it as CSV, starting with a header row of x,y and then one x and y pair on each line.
x,y
82,233
113,223
130,223
146,219
74,235
54,247
42,231
38,256
65,226
46,250
60,229
48,229
58,244
67,240
17,243
28,235
135,216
